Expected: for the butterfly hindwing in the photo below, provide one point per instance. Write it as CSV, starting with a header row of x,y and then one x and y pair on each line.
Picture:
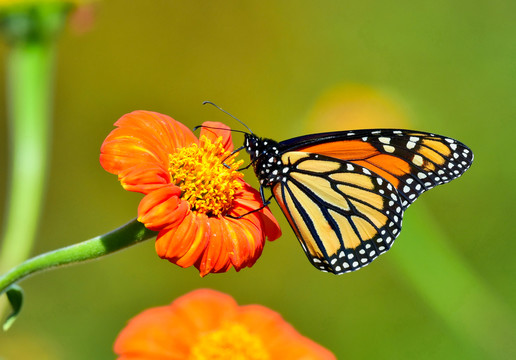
x,y
343,214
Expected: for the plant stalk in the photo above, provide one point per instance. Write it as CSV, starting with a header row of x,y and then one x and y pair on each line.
x,y
129,234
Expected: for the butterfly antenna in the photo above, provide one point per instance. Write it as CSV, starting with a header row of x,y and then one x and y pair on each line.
x,y
225,112
217,128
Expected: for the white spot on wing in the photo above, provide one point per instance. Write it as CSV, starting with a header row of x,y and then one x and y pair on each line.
x,y
417,160
384,140
389,148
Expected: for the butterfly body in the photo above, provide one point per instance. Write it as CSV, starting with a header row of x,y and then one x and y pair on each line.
x,y
266,159
344,193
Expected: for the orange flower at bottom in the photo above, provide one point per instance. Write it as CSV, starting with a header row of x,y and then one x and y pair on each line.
x,y
209,325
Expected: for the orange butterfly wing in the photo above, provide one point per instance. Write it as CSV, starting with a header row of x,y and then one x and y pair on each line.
x,y
343,215
412,161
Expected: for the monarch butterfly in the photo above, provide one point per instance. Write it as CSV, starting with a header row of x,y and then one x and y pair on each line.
x,y
344,193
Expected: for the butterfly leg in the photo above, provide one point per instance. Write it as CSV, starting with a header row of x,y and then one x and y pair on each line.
x,y
265,204
247,166
232,153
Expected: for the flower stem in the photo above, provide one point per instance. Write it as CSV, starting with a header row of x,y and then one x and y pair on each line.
x,y
31,31
29,82
127,235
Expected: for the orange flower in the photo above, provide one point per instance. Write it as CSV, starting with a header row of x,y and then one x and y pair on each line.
x,y
192,191
209,325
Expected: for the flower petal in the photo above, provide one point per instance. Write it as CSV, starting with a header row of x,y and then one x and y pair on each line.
x,y
249,199
213,130
144,178
279,337
215,244
215,257
246,242
205,309
184,244
153,334
163,208
143,139
169,332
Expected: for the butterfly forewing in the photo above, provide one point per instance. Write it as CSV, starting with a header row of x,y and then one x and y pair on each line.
x,y
342,213
411,161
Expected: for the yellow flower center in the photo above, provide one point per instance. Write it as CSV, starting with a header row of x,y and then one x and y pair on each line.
x,y
207,176
232,341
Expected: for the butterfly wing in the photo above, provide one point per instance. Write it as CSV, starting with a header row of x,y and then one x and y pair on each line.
x,y
343,214
412,161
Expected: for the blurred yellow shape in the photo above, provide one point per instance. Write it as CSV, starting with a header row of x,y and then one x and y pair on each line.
x,y
354,106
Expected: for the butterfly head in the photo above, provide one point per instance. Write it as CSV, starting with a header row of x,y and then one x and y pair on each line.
x,y
265,157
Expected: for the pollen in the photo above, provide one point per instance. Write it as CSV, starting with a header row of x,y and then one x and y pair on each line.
x,y
207,175
230,341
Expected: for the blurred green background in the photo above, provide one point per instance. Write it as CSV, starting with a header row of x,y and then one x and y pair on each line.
x,y
446,290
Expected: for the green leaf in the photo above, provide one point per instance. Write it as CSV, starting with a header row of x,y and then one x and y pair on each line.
x,y
15,296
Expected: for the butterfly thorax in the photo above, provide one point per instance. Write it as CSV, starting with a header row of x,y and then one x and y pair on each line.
x,y
266,159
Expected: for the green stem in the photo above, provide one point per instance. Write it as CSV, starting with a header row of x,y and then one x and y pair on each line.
x,y
31,31
29,69
127,235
